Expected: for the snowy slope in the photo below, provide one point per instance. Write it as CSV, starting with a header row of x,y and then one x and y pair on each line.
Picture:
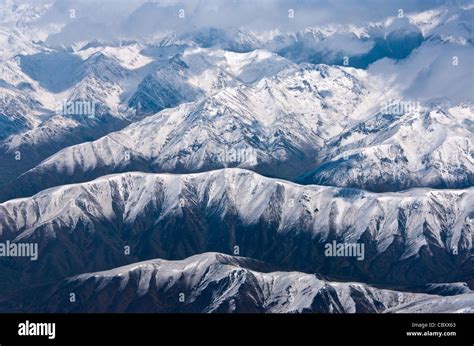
x,y
423,147
275,126
213,282
197,72
418,236
447,24
18,110
454,304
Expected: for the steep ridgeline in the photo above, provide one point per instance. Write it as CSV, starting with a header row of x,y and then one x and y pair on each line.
x,y
415,237
275,127
214,282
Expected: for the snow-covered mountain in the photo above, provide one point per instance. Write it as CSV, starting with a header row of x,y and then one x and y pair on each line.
x,y
422,147
395,37
120,82
129,79
275,126
198,72
213,282
313,123
418,236
447,24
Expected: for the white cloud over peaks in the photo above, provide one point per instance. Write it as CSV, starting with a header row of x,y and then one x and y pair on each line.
x,y
109,19
430,73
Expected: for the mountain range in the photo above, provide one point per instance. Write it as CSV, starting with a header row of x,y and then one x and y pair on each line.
x,y
220,161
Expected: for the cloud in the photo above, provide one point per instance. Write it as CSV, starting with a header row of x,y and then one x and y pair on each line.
x,y
435,72
103,19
